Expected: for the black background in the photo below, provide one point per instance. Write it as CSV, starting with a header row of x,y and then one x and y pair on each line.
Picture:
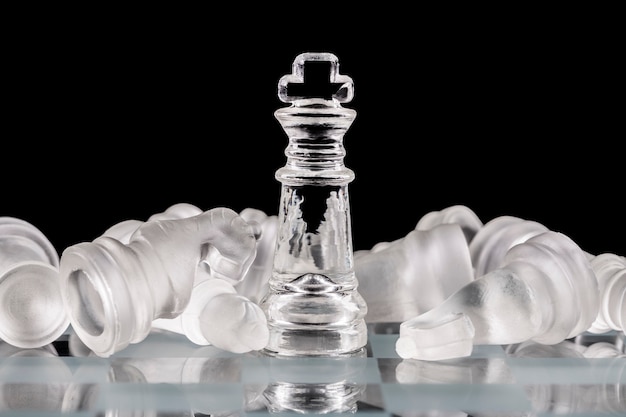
x,y
108,119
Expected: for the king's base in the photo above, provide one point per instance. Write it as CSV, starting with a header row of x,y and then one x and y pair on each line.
x,y
337,397
313,341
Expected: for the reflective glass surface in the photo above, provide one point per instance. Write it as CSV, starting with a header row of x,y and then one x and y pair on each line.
x,y
166,374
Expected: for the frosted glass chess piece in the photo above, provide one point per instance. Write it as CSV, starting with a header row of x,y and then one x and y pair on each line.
x,y
457,214
217,313
114,291
610,271
313,305
255,284
407,277
32,313
496,237
123,230
545,291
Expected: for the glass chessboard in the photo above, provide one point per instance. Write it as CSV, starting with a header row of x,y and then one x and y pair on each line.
x,y
167,375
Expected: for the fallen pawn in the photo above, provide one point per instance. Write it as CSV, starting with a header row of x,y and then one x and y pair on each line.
x,y
545,291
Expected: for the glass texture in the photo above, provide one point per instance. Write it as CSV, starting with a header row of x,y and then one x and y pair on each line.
x,y
610,270
219,312
196,312
32,311
312,305
402,279
457,214
546,291
115,290
496,237
167,374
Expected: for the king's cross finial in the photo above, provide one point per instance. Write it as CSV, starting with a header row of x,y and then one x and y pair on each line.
x,y
315,76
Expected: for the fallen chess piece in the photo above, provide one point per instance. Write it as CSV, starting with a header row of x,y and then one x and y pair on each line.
x,y
458,214
496,237
610,271
32,313
256,282
492,242
401,279
123,230
545,291
114,291
254,285
411,275
219,313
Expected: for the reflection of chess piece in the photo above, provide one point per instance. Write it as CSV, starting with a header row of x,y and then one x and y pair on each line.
x,y
454,371
42,391
164,360
409,276
532,349
312,304
544,291
32,313
114,291
596,386
315,385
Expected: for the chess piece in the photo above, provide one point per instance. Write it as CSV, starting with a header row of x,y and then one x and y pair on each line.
x,y
123,230
218,313
496,237
407,277
32,313
114,291
312,304
545,291
255,284
610,271
458,214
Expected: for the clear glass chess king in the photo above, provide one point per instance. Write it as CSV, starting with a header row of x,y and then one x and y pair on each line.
x,y
312,305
